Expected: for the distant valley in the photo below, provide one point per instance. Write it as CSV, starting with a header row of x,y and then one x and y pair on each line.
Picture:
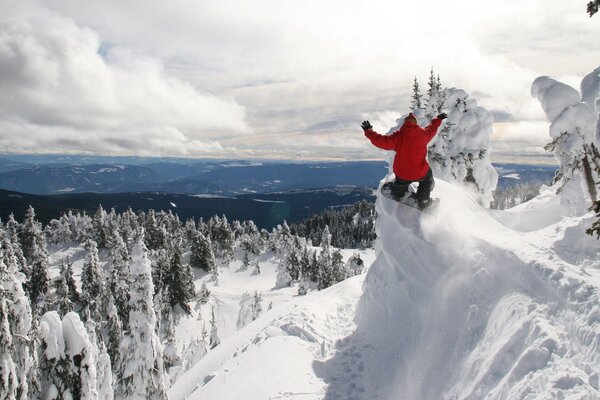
x,y
266,192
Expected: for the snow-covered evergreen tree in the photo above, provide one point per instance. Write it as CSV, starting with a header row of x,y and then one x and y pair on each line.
x,y
460,152
179,281
142,373
101,228
416,103
214,331
20,322
355,265
104,375
9,381
256,305
92,284
203,294
119,275
201,253
68,362
575,141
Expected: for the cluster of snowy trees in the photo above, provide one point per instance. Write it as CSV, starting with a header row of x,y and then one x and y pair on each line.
x,y
110,333
575,134
514,195
351,227
460,151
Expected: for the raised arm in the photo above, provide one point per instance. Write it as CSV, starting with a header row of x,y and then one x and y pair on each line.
x,y
385,142
431,130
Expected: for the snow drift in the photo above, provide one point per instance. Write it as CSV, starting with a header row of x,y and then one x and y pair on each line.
x,y
464,303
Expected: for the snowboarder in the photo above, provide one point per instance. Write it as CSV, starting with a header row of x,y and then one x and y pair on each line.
x,y
410,163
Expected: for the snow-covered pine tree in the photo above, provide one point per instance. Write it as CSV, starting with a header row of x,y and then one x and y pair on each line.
x,y
326,276
142,372
459,153
92,284
62,301
101,228
203,294
53,367
201,253
575,141
190,229
104,379
338,268
214,339
30,234
12,240
256,305
68,362
245,262
355,265
104,375
251,241
119,275
179,280
9,381
222,238
151,229
113,333
416,103
39,282
20,320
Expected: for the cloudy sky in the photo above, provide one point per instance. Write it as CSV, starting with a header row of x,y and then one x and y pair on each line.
x,y
271,78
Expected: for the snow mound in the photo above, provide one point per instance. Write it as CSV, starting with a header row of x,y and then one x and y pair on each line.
x,y
465,303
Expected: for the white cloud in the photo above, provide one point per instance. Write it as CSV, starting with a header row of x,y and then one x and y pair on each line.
x,y
307,73
57,89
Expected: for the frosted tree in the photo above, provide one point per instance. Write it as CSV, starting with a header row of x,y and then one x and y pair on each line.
x,y
68,362
62,301
142,372
179,281
251,239
30,234
104,375
101,228
20,321
214,339
416,103
113,333
119,276
92,284
355,265
12,240
256,305
201,253
575,139
460,152
9,381
203,294
325,263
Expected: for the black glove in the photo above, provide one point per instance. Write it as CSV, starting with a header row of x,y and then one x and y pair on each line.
x,y
442,116
366,125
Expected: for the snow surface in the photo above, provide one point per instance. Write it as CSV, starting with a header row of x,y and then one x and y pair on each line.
x,y
461,303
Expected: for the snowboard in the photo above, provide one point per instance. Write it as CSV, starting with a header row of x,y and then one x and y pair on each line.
x,y
408,199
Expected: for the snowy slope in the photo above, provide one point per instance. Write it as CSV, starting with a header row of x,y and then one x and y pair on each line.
x,y
273,356
461,303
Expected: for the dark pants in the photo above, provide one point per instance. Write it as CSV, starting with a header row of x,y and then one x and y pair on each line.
x,y
399,187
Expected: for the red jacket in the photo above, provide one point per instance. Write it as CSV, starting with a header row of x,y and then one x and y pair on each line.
x,y
410,144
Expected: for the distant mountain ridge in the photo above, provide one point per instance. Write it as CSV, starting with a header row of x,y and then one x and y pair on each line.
x,y
218,177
